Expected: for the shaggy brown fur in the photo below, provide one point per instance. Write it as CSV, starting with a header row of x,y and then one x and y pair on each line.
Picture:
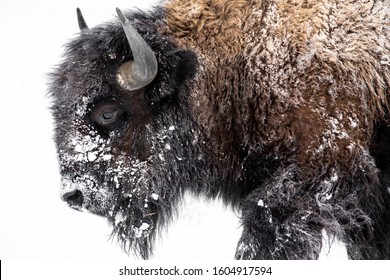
x,y
307,68
214,26
300,83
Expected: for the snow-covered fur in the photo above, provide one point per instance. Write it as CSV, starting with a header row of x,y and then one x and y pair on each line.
x,y
278,107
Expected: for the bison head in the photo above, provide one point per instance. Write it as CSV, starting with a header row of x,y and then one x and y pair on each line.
x,y
126,144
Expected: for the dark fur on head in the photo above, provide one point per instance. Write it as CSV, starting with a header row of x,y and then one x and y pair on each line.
x,y
121,170
278,107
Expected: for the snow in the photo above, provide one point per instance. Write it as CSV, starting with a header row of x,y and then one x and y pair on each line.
x,y
260,203
119,217
35,223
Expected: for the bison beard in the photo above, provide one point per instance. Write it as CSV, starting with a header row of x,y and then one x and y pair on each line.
x,y
243,100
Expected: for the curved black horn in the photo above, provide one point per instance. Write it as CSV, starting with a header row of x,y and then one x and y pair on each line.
x,y
82,24
141,71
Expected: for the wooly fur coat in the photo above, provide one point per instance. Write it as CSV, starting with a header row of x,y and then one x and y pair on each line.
x,y
278,107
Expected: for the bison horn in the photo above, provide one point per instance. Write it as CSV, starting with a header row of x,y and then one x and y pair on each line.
x,y
140,71
82,24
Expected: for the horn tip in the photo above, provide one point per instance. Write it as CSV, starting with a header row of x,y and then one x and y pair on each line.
x,y
79,14
81,21
121,16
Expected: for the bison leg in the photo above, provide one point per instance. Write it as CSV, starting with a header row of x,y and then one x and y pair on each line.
x,y
284,216
380,151
365,219
280,221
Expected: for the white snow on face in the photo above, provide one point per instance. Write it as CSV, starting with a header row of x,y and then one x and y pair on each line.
x,y
81,109
141,231
83,149
90,165
114,182
90,147
120,217
83,159
97,173
84,143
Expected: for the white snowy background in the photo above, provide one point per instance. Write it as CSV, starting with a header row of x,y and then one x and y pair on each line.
x,y
34,222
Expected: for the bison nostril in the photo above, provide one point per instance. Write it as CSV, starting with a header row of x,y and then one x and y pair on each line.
x,y
74,198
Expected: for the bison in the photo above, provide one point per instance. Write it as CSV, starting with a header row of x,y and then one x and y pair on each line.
x,y
279,108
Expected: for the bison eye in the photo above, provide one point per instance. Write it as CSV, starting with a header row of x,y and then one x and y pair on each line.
x,y
107,115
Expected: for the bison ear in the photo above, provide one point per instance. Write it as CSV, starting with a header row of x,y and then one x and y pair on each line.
x,y
187,66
